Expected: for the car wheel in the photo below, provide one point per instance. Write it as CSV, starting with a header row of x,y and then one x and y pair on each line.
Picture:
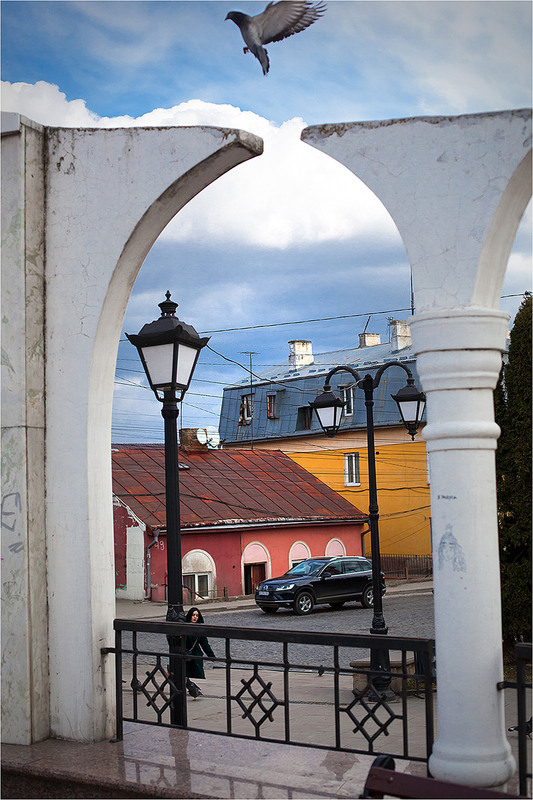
x,y
367,600
268,609
337,605
304,603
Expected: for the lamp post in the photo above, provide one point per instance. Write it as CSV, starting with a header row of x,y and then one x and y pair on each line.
x,y
169,350
329,409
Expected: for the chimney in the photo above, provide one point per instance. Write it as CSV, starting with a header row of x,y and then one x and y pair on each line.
x,y
189,440
369,339
400,334
300,353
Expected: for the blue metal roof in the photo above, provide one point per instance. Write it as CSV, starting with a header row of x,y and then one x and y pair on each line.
x,y
296,387
356,357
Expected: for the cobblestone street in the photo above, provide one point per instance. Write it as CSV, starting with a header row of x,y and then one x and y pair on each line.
x,y
408,616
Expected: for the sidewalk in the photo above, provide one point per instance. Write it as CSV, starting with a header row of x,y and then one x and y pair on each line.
x,y
162,762
147,609
171,763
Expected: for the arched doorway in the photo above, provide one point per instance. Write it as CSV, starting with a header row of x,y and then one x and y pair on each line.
x,y
255,566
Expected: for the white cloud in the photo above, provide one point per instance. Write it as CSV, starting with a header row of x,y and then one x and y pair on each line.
x,y
292,195
44,103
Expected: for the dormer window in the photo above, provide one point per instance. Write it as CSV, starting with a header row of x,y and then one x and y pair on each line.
x,y
272,411
304,419
246,409
347,396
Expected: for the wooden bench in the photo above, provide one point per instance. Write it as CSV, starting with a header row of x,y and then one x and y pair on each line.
x,y
383,780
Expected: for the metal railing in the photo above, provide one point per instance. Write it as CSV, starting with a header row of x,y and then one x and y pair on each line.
x,y
405,566
523,657
260,694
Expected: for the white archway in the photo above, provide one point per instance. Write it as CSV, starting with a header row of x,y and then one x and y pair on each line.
x,y
92,203
456,188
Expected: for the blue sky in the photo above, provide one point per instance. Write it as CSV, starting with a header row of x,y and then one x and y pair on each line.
x,y
302,238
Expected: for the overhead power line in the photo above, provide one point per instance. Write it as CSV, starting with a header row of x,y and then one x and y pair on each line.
x,y
327,319
305,321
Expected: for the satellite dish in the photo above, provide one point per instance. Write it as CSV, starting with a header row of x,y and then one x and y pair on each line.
x,y
201,435
213,437
209,436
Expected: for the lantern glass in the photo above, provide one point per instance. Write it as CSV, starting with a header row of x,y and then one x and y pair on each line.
x,y
186,362
329,409
158,363
411,410
329,416
411,403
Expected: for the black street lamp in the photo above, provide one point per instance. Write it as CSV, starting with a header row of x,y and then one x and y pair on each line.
x,y
169,350
329,408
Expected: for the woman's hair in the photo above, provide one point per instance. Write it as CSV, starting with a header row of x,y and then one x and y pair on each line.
x,y
190,612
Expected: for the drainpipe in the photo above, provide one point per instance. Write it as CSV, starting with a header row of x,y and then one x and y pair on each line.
x,y
148,574
363,548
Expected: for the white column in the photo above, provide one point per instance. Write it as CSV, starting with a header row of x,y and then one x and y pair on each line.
x,y
456,187
459,360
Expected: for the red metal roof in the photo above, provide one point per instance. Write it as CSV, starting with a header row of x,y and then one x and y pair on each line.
x,y
225,487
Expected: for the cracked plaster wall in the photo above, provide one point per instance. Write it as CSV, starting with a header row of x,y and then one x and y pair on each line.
x,y
25,703
107,195
446,183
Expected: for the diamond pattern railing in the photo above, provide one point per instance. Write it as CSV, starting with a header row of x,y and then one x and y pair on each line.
x,y
260,695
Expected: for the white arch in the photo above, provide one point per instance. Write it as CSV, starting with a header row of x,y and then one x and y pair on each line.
x,y
197,560
109,194
335,547
298,551
456,189
500,236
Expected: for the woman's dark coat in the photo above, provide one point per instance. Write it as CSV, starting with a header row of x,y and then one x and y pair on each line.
x,y
195,645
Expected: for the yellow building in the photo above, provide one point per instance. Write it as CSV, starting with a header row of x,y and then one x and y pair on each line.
x,y
274,413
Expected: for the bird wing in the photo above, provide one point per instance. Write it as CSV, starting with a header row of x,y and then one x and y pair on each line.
x,y
285,18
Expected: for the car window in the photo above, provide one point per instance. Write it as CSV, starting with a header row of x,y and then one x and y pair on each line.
x,y
351,566
333,569
356,565
307,568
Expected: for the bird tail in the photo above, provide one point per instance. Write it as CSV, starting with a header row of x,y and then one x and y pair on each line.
x,y
261,54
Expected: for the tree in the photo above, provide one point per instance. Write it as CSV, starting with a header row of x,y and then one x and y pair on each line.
x,y
513,469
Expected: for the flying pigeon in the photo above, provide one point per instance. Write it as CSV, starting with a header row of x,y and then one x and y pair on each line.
x,y
275,23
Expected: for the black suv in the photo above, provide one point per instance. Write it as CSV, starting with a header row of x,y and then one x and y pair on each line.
x,y
317,581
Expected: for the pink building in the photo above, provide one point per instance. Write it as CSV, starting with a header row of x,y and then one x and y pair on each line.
x,y
246,515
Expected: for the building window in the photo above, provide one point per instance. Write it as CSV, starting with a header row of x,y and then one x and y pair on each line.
x,y
352,476
195,586
347,396
246,410
305,415
271,406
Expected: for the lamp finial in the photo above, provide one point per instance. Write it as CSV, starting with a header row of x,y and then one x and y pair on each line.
x,y
168,307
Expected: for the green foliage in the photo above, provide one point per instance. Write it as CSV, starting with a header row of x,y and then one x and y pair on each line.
x,y
512,403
